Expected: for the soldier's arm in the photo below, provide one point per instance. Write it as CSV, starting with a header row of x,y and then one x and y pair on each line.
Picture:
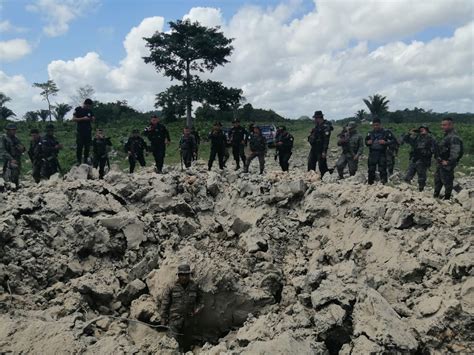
x,y
165,307
6,155
167,134
360,146
127,146
327,138
454,151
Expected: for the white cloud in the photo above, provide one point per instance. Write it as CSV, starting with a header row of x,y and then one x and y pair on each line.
x,y
14,49
24,97
329,58
58,14
6,26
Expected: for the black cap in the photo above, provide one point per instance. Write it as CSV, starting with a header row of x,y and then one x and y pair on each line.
x,y
34,131
184,269
10,126
154,116
88,102
376,120
318,114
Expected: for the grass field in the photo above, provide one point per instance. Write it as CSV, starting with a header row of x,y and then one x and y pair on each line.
x,y
120,131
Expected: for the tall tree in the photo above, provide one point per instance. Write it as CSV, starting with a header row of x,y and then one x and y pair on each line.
x,y
4,99
360,115
377,105
31,116
186,49
49,89
6,113
43,114
60,111
82,93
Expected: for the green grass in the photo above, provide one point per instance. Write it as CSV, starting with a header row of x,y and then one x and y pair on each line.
x,y
119,132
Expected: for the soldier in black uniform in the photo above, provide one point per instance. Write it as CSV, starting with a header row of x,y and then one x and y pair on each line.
x,y
49,152
84,117
159,138
422,149
135,148
258,148
449,152
197,138
218,142
12,150
35,154
238,137
319,141
284,146
378,140
181,302
187,147
100,146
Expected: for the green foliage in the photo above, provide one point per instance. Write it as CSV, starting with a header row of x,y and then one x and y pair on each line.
x,y
60,111
31,116
377,105
48,89
43,114
360,116
5,112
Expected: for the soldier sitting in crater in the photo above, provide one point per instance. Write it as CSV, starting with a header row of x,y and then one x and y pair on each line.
x,y
181,302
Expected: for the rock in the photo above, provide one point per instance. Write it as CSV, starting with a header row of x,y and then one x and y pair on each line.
x,y
81,172
400,219
100,287
239,226
429,305
374,318
212,184
467,296
333,290
144,309
253,243
284,344
131,291
134,234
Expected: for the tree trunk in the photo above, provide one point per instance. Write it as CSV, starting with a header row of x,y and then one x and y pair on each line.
x,y
49,109
189,119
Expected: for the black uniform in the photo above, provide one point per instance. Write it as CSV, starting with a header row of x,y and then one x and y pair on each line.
x,y
49,155
135,148
319,140
83,134
188,148
450,148
378,153
36,159
284,151
422,150
218,142
238,137
100,154
197,138
157,135
258,148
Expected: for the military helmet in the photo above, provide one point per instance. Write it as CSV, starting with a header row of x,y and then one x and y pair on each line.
x,y
318,114
184,269
10,126
424,126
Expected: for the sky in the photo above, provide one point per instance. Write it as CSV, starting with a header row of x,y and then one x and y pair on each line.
x,y
292,56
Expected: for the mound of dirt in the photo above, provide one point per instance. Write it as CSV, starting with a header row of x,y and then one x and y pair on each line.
x,y
288,263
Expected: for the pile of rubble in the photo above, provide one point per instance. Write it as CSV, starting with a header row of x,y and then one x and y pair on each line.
x,y
288,264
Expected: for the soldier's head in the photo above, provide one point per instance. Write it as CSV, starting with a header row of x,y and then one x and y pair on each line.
x,y
11,129
186,131
318,117
423,130
99,133
135,133
217,126
49,130
376,124
154,120
236,123
351,126
256,130
88,103
281,128
184,273
447,124
35,134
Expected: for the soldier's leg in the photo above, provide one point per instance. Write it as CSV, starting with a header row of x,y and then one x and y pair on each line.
x,y
141,160
249,159
340,165
312,160
410,171
187,158
132,163
161,158
236,155
382,164
102,162
390,162
225,155
323,164
242,153
447,174
261,162
353,165
285,161
220,157
438,182
79,148
212,157
421,169
372,167
36,172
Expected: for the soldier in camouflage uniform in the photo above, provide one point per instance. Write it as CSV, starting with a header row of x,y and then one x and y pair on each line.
x,y
352,145
392,152
100,155
35,154
12,150
135,149
187,147
422,149
49,153
283,146
181,302
258,149
449,152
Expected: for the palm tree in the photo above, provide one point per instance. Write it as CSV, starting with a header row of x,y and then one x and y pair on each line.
x,y
4,99
60,111
360,115
31,116
377,104
43,114
6,113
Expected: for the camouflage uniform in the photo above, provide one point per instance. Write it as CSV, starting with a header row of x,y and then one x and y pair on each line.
x,y
188,148
284,150
100,154
12,150
49,155
36,160
449,148
392,152
423,148
258,148
378,154
135,147
352,145
238,137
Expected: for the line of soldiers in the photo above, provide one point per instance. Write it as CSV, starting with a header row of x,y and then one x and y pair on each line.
x,y
381,142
